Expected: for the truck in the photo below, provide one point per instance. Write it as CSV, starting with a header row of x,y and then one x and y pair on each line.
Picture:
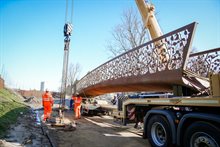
x,y
178,121
183,120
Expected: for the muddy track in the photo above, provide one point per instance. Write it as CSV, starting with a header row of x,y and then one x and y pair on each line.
x,y
46,133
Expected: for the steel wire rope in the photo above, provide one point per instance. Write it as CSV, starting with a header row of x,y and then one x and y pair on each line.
x,y
66,15
72,13
70,20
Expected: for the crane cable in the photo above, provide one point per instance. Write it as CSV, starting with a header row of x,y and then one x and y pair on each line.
x,y
72,13
66,13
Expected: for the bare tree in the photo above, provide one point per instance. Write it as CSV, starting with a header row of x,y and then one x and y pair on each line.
x,y
127,35
73,73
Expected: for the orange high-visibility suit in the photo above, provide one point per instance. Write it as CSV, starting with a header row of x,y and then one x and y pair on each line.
x,y
47,101
77,106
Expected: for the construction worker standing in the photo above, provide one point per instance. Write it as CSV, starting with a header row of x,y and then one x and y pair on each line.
x,y
47,102
77,105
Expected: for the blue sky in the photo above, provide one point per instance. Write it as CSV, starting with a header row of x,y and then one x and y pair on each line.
x,y
31,34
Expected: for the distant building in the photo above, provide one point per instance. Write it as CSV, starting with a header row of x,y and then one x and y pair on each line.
x,y
30,93
42,86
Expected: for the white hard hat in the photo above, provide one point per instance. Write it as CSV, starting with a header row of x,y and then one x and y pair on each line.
x,y
46,89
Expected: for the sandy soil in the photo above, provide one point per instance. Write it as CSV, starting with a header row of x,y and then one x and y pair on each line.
x,y
97,131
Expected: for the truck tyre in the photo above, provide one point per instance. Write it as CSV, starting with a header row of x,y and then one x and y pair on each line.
x,y
202,134
159,132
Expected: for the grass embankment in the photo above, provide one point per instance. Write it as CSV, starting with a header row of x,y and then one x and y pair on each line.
x,y
10,109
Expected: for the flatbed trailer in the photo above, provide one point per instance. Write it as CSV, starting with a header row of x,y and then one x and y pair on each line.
x,y
181,121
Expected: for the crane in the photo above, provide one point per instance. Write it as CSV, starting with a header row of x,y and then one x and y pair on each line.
x,y
148,17
67,33
147,11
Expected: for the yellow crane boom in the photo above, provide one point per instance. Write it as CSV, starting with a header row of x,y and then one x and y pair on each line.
x,y
148,16
150,22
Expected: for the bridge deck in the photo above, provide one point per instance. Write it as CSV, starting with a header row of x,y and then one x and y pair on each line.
x,y
160,81
141,69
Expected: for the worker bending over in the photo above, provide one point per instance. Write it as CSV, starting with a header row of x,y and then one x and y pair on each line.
x,y
77,105
47,102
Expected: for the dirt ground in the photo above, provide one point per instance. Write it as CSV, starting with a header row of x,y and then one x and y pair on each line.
x,y
95,131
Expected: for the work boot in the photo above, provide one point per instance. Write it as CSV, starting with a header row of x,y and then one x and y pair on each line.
x,y
44,120
135,126
47,121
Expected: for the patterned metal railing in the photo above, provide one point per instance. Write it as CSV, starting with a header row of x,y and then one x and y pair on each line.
x,y
203,63
145,59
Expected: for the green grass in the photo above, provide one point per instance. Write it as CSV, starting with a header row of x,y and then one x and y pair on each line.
x,y
10,108
8,95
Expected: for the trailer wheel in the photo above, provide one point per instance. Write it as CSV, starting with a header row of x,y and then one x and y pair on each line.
x,y
202,134
158,131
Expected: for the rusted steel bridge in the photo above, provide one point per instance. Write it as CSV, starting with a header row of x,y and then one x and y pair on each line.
x,y
141,69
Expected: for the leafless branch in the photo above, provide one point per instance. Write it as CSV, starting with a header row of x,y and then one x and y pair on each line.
x,y
73,73
127,35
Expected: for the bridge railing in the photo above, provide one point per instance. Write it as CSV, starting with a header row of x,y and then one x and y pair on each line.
x,y
203,63
145,59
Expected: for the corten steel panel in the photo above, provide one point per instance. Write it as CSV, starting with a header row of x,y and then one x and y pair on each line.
x,y
203,63
141,69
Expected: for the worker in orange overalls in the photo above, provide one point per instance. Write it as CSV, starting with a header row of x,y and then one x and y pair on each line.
x,y
47,102
77,105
